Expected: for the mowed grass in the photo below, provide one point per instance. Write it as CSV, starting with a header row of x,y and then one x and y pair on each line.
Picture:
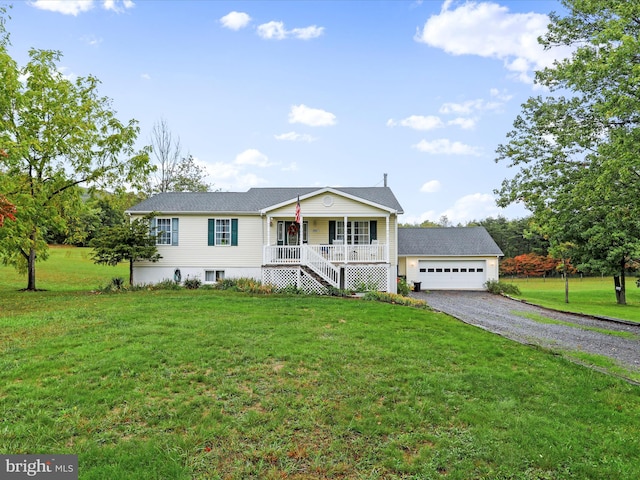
x,y
214,385
591,295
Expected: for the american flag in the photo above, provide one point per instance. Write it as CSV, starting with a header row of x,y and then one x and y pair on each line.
x,y
298,210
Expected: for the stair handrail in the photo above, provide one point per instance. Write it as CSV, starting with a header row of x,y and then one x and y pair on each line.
x,y
320,265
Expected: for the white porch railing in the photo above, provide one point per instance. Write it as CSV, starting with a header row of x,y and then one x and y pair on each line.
x,y
321,266
295,255
281,255
377,253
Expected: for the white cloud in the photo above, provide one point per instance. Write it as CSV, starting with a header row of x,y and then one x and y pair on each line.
x,y
296,137
231,177
500,95
75,7
469,106
475,206
472,207
252,157
66,7
235,20
312,117
418,122
236,175
464,123
307,33
145,76
114,5
276,31
418,219
272,31
444,146
489,30
431,186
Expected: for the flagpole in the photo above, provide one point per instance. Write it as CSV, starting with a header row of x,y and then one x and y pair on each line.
x,y
299,221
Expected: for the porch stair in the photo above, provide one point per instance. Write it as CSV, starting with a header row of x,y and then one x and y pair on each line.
x,y
318,278
323,270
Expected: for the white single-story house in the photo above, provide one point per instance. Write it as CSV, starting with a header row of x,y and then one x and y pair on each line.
x,y
350,239
457,258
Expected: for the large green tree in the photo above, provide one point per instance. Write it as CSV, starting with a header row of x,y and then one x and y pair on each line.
x,y
577,149
55,134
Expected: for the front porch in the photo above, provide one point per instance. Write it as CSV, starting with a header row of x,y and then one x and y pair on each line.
x,y
330,241
318,267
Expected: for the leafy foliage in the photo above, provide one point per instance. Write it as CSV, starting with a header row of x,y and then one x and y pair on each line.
x,y
531,265
498,288
55,134
7,210
402,287
395,299
192,283
248,285
579,155
131,241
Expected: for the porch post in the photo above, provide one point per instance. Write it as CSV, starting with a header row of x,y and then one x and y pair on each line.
x,y
387,250
268,230
346,240
301,230
391,285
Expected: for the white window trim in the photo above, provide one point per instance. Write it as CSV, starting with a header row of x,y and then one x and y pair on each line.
x,y
215,232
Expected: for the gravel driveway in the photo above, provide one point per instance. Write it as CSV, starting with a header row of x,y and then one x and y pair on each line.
x,y
506,317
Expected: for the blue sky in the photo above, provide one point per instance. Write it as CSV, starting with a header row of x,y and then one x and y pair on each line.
x,y
324,93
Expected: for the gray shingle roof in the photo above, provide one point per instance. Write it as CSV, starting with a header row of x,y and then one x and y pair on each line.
x,y
251,201
454,241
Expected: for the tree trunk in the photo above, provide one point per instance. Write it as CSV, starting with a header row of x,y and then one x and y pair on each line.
x,y
31,268
131,272
619,282
566,282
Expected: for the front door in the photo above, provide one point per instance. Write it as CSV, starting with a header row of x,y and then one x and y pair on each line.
x,y
289,233
292,233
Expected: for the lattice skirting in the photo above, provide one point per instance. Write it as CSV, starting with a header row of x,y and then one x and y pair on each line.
x,y
366,277
356,277
287,276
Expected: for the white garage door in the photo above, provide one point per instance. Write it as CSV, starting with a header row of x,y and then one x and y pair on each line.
x,y
452,275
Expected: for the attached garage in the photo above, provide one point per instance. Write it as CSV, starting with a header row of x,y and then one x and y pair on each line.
x,y
452,275
448,258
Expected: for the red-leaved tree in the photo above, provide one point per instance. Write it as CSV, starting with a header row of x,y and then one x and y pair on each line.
x,y
529,265
7,209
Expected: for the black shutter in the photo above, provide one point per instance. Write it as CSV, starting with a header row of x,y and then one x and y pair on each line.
x,y
373,230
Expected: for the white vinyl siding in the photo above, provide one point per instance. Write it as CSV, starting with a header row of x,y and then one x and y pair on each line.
x,y
194,250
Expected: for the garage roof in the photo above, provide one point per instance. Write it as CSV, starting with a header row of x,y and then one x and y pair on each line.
x,y
452,241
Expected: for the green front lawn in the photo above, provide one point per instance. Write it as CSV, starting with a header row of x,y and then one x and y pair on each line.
x,y
211,385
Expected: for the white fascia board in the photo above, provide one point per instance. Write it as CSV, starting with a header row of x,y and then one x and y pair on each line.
x,y
329,190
